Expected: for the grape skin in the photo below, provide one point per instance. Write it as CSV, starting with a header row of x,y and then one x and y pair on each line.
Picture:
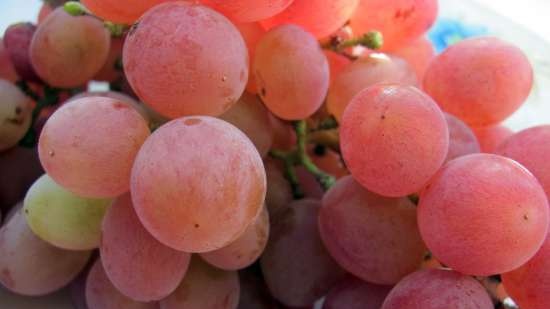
x,y
17,40
337,63
124,12
109,71
15,115
418,55
224,181
62,218
136,263
462,140
63,41
291,72
279,194
252,33
491,137
393,139
464,198
248,10
186,59
7,70
352,293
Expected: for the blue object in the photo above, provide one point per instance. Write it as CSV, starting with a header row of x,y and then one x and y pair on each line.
x,y
448,31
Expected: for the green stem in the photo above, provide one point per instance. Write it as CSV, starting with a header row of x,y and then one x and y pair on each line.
x,y
371,40
75,8
289,161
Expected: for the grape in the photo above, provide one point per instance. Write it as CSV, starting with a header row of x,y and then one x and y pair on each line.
x,y
373,237
326,17
252,118
124,12
112,67
186,59
15,115
7,70
462,140
248,10
279,193
224,184
17,40
101,294
138,265
438,289
308,184
291,71
337,63
62,218
31,266
491,137
284,137
63,41
45,10
363,73
254,293
480,80
531,149
353,293
399,21
393,139
418,54
205,287
493,200
84,150
252,33
245,250
296,266
529,285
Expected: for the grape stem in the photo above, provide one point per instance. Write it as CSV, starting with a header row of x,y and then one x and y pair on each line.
x,y
371,40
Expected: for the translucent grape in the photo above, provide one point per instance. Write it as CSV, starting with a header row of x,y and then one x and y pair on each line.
x,y
418,55
530,148
393,139
62,218
279,193
15,115
492,199
224,184
353,293
205,287
491,137
363,73
7,70
248,10
251,117
529,285
438,289
101,294
454,77
297,268
462,140
373,237
201,68
291,72
124,12
17,40
84,150
252,33
245,250
327,17
112,68
138,265
63,41
31,266
336,62
399,21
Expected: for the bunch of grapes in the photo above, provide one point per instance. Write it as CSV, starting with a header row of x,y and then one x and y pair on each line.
x,y
261,154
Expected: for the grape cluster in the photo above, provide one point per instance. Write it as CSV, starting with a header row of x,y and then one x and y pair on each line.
x,y
261,154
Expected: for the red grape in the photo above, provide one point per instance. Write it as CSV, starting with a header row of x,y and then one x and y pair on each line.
x,y
17,40
252,33
491,137
248,10
418,54
353,293
7,70
125,12
462,140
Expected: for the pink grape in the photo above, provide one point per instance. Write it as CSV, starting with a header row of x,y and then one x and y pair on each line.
x,y
186,59
245,250
373,237
252,33
297,268
124,12
7,70
138,265
309,185
279,193
462,140
393,139
15,115
251,117
45,10
399,21
418,55
17,40
438,289
63,41
284,137
205,287
491,137
326,18
365,72
496,202
337,63
31,266
110,71
352,293
83,148
101,294
529,285
531,149
291,72
248,10
454,77
224,184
